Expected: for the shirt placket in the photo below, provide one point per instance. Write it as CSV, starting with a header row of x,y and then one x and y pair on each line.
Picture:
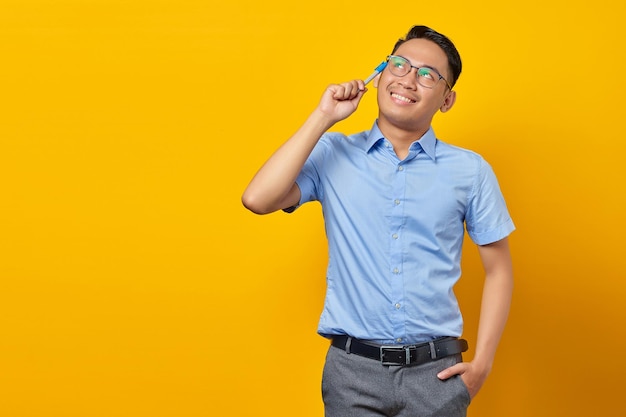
x,y
396,252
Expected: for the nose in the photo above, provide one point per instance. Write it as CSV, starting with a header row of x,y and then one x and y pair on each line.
x,y
409,80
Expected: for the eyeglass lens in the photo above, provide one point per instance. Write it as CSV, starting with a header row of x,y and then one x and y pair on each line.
x,y
400,67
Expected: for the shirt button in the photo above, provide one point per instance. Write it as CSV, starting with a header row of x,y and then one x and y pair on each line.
x,y
396,271
396,202
395,236
399,340
400,168
398,305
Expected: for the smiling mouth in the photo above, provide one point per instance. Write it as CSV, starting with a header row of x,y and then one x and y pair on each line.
x,y
402,98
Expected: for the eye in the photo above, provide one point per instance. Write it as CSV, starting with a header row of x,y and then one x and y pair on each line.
x,y
426,73
398,63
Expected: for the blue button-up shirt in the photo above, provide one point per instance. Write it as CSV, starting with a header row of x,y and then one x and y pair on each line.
x,y
395,230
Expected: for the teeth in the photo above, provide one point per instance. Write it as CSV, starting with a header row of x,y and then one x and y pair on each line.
x,y
399,97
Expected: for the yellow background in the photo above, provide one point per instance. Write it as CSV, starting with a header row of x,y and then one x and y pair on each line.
x,y
133,282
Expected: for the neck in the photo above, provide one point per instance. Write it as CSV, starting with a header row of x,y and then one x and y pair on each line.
x,y
401,139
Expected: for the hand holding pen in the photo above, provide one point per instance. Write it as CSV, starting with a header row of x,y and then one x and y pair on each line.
x,y
341,100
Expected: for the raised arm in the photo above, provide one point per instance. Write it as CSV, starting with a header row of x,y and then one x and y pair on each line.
x,y
274,185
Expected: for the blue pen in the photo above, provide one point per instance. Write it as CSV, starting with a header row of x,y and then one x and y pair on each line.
x,y
377,71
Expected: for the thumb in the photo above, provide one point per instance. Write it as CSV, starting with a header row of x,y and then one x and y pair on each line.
x,y
457,369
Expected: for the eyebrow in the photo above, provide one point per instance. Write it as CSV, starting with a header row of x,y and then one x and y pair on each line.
x,y
423,66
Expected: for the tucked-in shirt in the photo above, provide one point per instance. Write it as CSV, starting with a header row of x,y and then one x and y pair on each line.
x,y
395,229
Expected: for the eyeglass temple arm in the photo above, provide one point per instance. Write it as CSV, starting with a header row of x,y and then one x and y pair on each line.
x,y
377,71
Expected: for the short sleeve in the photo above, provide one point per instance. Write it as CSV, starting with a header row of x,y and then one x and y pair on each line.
x,y
487,218
308,181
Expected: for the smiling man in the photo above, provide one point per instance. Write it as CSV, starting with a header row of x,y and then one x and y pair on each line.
x,y
396,202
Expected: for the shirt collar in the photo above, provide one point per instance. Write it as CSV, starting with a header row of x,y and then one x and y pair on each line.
x,y
427,142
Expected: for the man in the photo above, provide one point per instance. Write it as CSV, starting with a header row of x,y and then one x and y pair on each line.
x,y
395,201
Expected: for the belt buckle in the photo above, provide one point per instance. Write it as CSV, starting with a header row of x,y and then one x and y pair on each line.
x,y
407,352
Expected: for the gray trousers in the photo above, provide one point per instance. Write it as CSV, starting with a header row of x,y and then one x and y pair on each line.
x,y
354,386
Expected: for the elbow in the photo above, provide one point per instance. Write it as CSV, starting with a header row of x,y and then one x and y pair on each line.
x,y
254,204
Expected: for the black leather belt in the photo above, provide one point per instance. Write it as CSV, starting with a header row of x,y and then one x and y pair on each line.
x,y
402,355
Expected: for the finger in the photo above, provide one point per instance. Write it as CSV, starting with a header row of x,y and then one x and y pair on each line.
x,y
347,91
457,369
342,92
356,87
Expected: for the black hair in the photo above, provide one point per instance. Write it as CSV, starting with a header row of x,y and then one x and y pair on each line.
x,y
424,32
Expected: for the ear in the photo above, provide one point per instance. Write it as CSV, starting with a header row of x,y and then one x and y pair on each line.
x,y
376,80
448,102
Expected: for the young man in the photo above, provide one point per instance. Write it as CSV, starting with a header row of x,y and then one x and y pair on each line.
x,y
395,201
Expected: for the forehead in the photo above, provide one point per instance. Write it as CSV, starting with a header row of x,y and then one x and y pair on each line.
x,y
424,52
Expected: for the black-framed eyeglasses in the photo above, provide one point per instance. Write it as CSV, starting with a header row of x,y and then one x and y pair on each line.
x,y
426,77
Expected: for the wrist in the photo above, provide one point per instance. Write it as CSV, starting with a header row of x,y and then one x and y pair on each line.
x,y
483,367
322,119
